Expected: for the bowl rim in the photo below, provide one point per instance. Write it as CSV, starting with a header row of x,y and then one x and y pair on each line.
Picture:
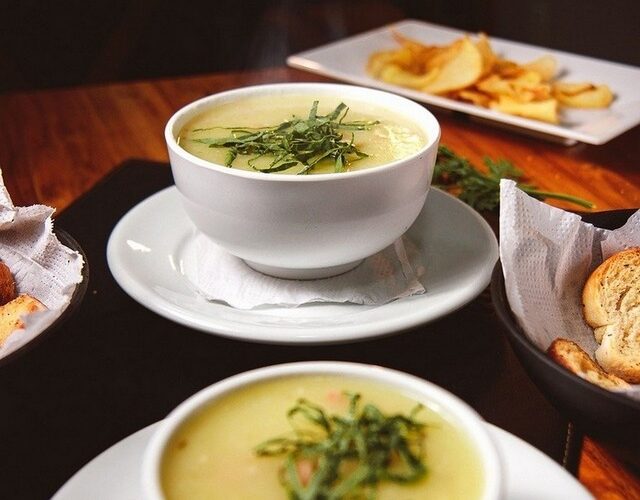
x,y
517,334
433,139
465,417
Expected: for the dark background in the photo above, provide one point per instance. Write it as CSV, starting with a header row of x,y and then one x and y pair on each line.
x,y
51,44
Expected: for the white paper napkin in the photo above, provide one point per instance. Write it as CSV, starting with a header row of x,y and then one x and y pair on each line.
x,y
547,254
391,274
42,266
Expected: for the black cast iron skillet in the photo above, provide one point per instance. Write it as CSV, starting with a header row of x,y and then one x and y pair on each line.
x,y
75,301
605,415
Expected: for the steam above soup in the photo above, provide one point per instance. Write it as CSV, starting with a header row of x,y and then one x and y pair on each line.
x,y
246,446
299,135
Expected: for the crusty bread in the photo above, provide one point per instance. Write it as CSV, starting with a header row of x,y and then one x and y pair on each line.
x,y
611,299
570,355
11,314
7,284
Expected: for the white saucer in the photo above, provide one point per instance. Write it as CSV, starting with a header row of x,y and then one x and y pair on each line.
x,y
144,255
115,473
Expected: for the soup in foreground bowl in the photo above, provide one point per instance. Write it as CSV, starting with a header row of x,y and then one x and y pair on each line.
x,y
297,134
328,435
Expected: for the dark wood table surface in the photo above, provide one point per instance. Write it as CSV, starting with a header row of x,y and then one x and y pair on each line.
x,y
56,145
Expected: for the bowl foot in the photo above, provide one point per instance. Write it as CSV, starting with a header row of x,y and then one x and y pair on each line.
x,y
303,274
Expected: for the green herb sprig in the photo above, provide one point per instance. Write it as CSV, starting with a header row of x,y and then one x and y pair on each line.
x,y
482,191
349,455
294,142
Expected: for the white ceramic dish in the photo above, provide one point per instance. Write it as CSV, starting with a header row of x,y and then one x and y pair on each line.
x,y
457,412
346,59
305,226
145,249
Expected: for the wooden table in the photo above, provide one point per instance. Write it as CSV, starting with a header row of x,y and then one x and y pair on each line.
x,y
55,145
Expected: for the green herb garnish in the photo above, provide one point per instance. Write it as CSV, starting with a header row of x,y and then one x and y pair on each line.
x,y
482,191
345,457
294,142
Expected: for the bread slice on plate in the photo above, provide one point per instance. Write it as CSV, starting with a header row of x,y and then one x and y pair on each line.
x,y
570,355
12,312
7,284
611,299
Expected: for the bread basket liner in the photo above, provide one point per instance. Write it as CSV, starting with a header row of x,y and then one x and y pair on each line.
x,y
547,254
41,265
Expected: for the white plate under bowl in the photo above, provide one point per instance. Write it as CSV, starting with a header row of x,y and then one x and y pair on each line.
x,y
145,250
346,60
115,474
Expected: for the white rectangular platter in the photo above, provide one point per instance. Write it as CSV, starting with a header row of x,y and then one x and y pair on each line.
x,y
346,60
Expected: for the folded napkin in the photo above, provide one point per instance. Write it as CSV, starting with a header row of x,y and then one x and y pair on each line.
x,y
547,254
41,266
391,274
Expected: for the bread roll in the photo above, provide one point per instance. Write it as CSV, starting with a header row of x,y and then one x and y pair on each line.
x,y
11,314
611,299
570,355
7,284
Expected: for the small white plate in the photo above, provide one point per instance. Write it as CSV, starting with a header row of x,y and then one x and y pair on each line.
x,y
346,60
145,250
115,473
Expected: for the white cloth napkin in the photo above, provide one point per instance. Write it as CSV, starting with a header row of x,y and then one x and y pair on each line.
x,y
42,266
547,254
391,274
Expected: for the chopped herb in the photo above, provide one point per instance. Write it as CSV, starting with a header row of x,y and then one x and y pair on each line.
x,y
482,191
333,457
298,141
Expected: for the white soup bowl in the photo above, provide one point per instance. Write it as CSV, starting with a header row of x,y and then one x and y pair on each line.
x,y
430,395
305,226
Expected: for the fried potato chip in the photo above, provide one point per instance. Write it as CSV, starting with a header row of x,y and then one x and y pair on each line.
x,y
471,71
477,98
507,69
419,50
542,92
495,85
546,110
489,57
545,66
462,68
527,79
526,87
378,61
529,86
598,96
425,57
571,88
398,76
402,58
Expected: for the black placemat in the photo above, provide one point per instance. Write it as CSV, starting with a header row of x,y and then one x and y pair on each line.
x,y
116,367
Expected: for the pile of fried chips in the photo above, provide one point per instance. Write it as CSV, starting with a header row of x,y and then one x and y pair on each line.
x,y
469,70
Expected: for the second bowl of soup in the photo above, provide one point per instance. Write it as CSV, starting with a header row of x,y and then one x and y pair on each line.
x,y
322,430
303,180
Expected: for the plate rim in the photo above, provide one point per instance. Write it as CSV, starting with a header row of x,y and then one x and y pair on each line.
x,y
554,131
311,335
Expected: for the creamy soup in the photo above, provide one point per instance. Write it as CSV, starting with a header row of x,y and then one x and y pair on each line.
x,y
382,135
212,456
